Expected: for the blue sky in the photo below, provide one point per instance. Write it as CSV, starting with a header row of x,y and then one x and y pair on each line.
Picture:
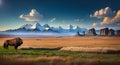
x,y
60,13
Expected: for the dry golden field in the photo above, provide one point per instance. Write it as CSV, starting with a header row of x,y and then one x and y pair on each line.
x,y
57,57
88,41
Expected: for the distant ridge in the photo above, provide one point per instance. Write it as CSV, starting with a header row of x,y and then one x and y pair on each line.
x,y
46,28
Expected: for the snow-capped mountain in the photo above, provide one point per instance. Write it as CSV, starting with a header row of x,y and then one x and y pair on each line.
x,y
46,25
37,27
46,28
26,26
70,27
33,27
77,28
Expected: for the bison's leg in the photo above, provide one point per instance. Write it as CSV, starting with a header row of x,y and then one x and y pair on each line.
x,y
16,47
5,45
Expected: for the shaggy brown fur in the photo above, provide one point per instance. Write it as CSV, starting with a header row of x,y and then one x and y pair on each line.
x,y
13,42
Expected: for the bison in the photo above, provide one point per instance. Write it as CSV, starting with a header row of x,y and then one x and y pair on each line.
x,y
13,42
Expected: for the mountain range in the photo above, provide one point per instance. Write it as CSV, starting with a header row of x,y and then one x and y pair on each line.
x,y
46,28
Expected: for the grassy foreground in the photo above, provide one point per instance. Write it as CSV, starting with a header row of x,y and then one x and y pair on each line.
x,y
55,57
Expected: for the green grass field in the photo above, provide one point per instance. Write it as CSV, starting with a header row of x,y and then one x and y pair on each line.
x,y
76,56
56,52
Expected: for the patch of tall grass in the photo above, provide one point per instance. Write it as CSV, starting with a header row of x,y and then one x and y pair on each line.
x,y
77,56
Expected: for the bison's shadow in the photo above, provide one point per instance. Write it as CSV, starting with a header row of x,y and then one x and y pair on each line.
x,y
31,48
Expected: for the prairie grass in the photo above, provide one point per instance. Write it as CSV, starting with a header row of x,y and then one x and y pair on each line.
x,y
92,49
87,41
46,51
54,60
54,57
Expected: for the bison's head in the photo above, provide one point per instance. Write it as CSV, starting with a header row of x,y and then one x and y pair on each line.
x,y
20,41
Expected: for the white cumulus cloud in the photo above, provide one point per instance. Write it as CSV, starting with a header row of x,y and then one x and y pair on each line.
x,y
106,12
94,24
115,19
33,16
53,19
109,17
